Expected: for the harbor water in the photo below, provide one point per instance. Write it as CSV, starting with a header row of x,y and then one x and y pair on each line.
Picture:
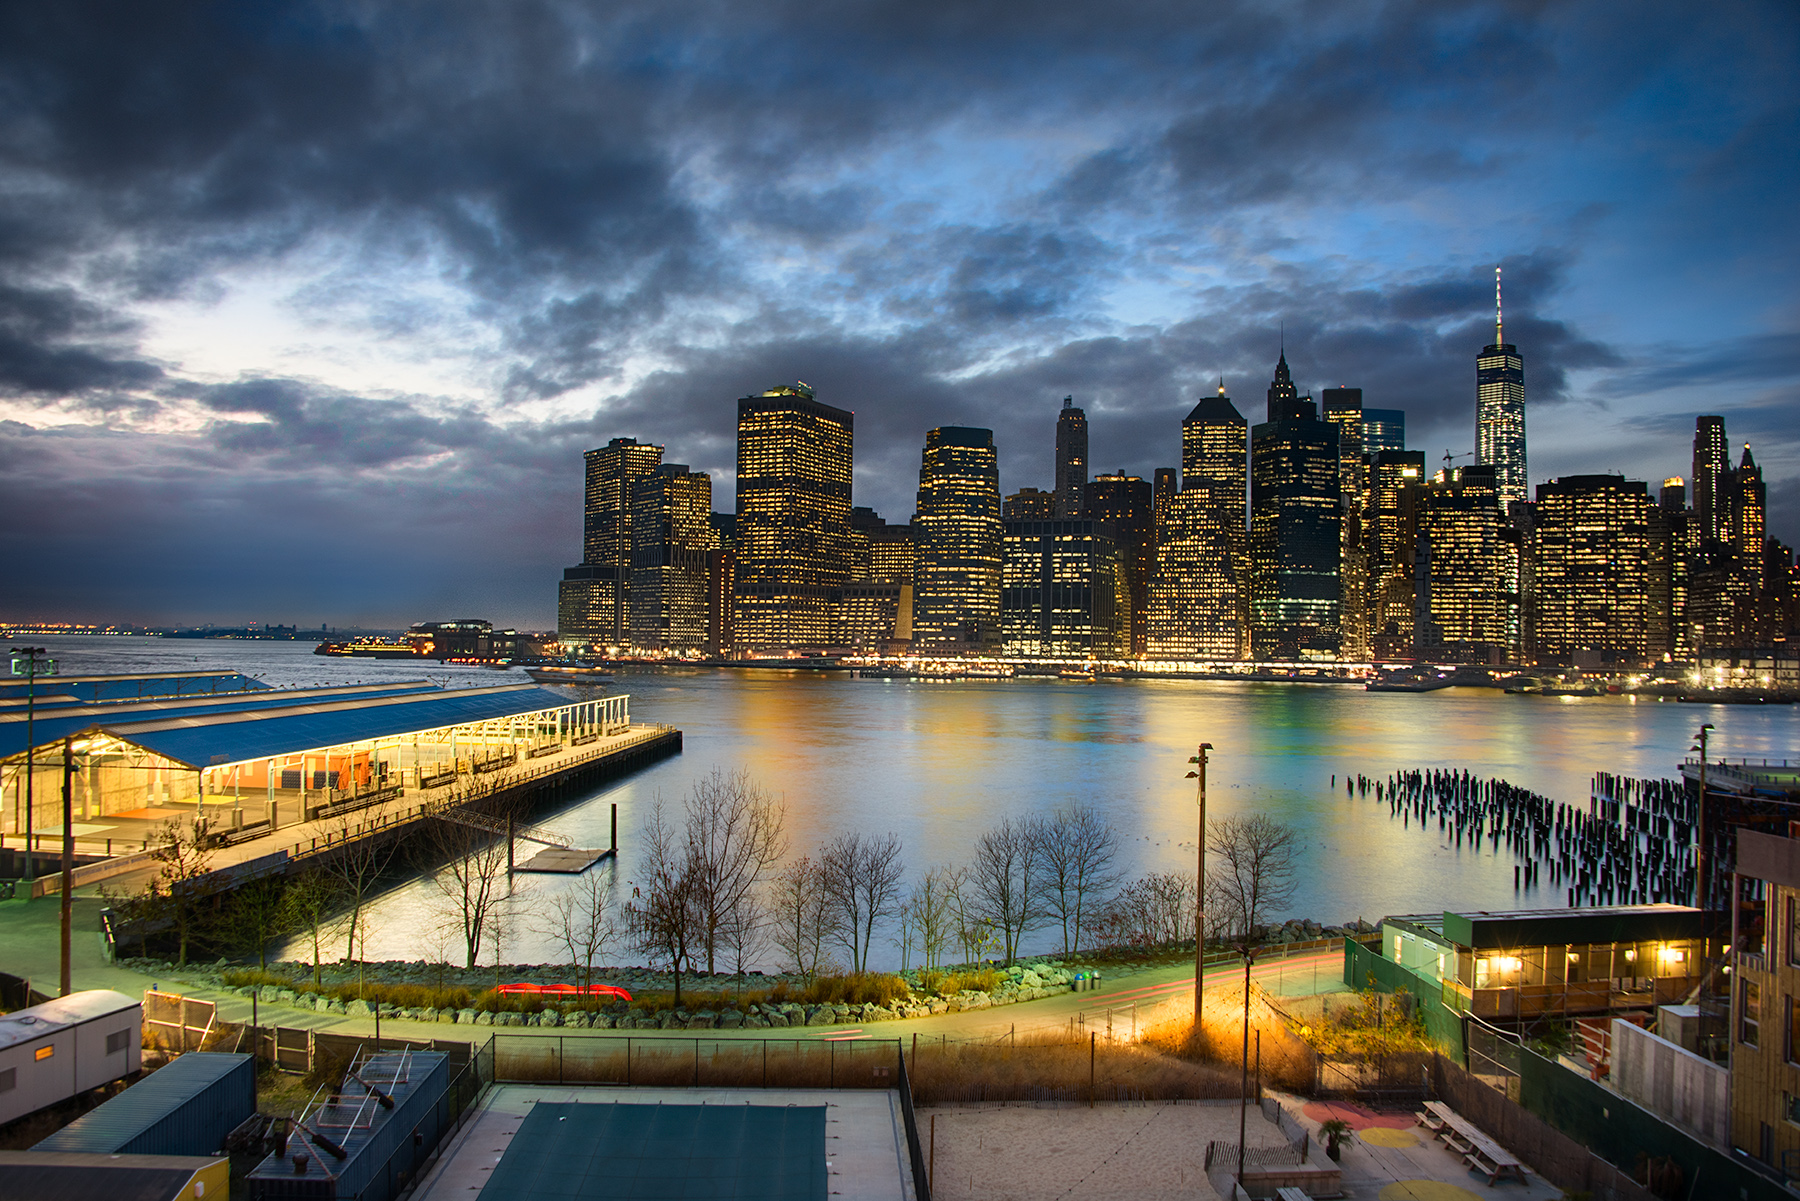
x,y
938,762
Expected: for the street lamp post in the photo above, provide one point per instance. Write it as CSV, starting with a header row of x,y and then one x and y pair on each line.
x,y
1700,893
1249,954
1199,775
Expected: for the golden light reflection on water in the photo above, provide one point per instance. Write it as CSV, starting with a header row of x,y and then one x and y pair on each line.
x,y
936,763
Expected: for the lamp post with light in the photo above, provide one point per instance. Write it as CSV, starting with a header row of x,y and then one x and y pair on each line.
x,y
1700,893
1199,774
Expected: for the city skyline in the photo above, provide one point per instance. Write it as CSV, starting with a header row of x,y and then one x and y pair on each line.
x,y
323,288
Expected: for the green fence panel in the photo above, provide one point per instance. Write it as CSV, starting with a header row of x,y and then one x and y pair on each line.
x,y
1443,1025
1616,1130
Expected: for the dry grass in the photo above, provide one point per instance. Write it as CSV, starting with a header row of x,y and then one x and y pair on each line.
x,y
1058,1068
860,988
1287,1062
949,983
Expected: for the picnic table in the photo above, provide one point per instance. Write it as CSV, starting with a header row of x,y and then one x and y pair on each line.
x,y
1479,1151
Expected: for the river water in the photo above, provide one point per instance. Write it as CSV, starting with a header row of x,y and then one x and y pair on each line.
x,y
936,763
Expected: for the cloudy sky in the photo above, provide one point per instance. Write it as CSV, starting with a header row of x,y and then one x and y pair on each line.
x,y
307,312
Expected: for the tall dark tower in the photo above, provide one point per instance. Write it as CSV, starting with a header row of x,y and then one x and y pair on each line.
x,y
1071,458
1295,529
1500,410
1282,393
1711,503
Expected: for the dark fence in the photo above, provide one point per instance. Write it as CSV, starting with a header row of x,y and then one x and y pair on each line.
x,y
680,1062
921,1175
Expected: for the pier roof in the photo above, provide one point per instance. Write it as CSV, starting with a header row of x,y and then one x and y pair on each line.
x,y
235,728
134,686
52,723
1569,927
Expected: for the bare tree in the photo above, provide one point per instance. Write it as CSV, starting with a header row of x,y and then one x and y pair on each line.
x,y
357,864
974,932
470,881
313,897
1004,879
664,911
1076,850
862,874
734,837
932,904
1257,857
581,919
744,932
182,859
1151,911
803,918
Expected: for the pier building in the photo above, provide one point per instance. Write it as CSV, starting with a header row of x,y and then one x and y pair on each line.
x,y
250,761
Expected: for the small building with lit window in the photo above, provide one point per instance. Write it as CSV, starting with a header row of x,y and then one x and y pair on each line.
x,y
1528,965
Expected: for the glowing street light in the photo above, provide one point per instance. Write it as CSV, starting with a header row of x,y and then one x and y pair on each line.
x,y
1199,774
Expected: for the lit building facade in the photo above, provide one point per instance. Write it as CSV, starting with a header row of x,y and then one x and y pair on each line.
x,y
1063,590
1124,503
1390,538
1467,571
671,538
1071,458
1500,410
956,529
1383,429
1591,559
594,600
1029,504
793,518
1295,530
1343,407
1197,607
1712,469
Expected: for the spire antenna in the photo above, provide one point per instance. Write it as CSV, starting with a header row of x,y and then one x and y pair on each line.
x,y
1499,335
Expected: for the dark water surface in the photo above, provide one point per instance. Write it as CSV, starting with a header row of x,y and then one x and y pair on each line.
x,y
938,762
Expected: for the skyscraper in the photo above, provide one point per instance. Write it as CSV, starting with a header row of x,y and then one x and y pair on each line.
x,y
1591,556
1500,410
1467,568
1295,529
1165,482
1197,606
1063,591
956,598
1124,503
1071,458
1383,429
1343,407
671,537
594,600
793,518
1029,504
1390,538
1711,467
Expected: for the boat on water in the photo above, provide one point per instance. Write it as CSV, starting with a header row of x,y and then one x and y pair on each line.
x,y
367,648
1075,676
568,673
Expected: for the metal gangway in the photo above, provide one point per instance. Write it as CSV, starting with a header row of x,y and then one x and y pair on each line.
x,y
504,827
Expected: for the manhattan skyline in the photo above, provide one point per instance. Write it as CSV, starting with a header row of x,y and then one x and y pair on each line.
x,y
311,316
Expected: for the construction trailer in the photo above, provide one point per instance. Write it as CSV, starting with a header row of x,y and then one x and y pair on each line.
x,y
62,1048
186,1107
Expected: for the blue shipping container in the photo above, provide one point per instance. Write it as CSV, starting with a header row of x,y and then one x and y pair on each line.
x,y
184,1108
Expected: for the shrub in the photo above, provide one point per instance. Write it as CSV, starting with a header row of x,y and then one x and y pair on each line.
x,y
974,980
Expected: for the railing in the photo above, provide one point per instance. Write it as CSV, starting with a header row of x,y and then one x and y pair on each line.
x,y
920,1173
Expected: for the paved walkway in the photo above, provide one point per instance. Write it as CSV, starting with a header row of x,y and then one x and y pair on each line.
x,y
1395,1159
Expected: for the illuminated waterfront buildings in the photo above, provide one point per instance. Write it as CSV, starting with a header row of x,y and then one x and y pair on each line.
x,y
1196,604
1500,410
793,518
1466,564
956,595
1590,551
1711,469
1123,502
594,600
671,538
1343,407
1390,541
1064,591
1295,529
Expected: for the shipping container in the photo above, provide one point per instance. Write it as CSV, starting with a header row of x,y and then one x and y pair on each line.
x,y
64,1176
184,1108
54,1051
382,1148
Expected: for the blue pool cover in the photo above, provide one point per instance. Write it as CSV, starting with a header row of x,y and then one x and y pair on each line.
x,y
626,1152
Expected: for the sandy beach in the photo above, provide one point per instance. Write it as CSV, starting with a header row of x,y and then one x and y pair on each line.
x,y
1032,1153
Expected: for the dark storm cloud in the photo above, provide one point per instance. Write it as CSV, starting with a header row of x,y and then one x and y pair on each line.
x,y
601,190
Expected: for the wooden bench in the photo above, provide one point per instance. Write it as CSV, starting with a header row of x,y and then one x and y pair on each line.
x,y
1290,1193
1476,1149
1431,1122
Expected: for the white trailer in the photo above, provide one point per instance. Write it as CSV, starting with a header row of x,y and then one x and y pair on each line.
x,y
53,1051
